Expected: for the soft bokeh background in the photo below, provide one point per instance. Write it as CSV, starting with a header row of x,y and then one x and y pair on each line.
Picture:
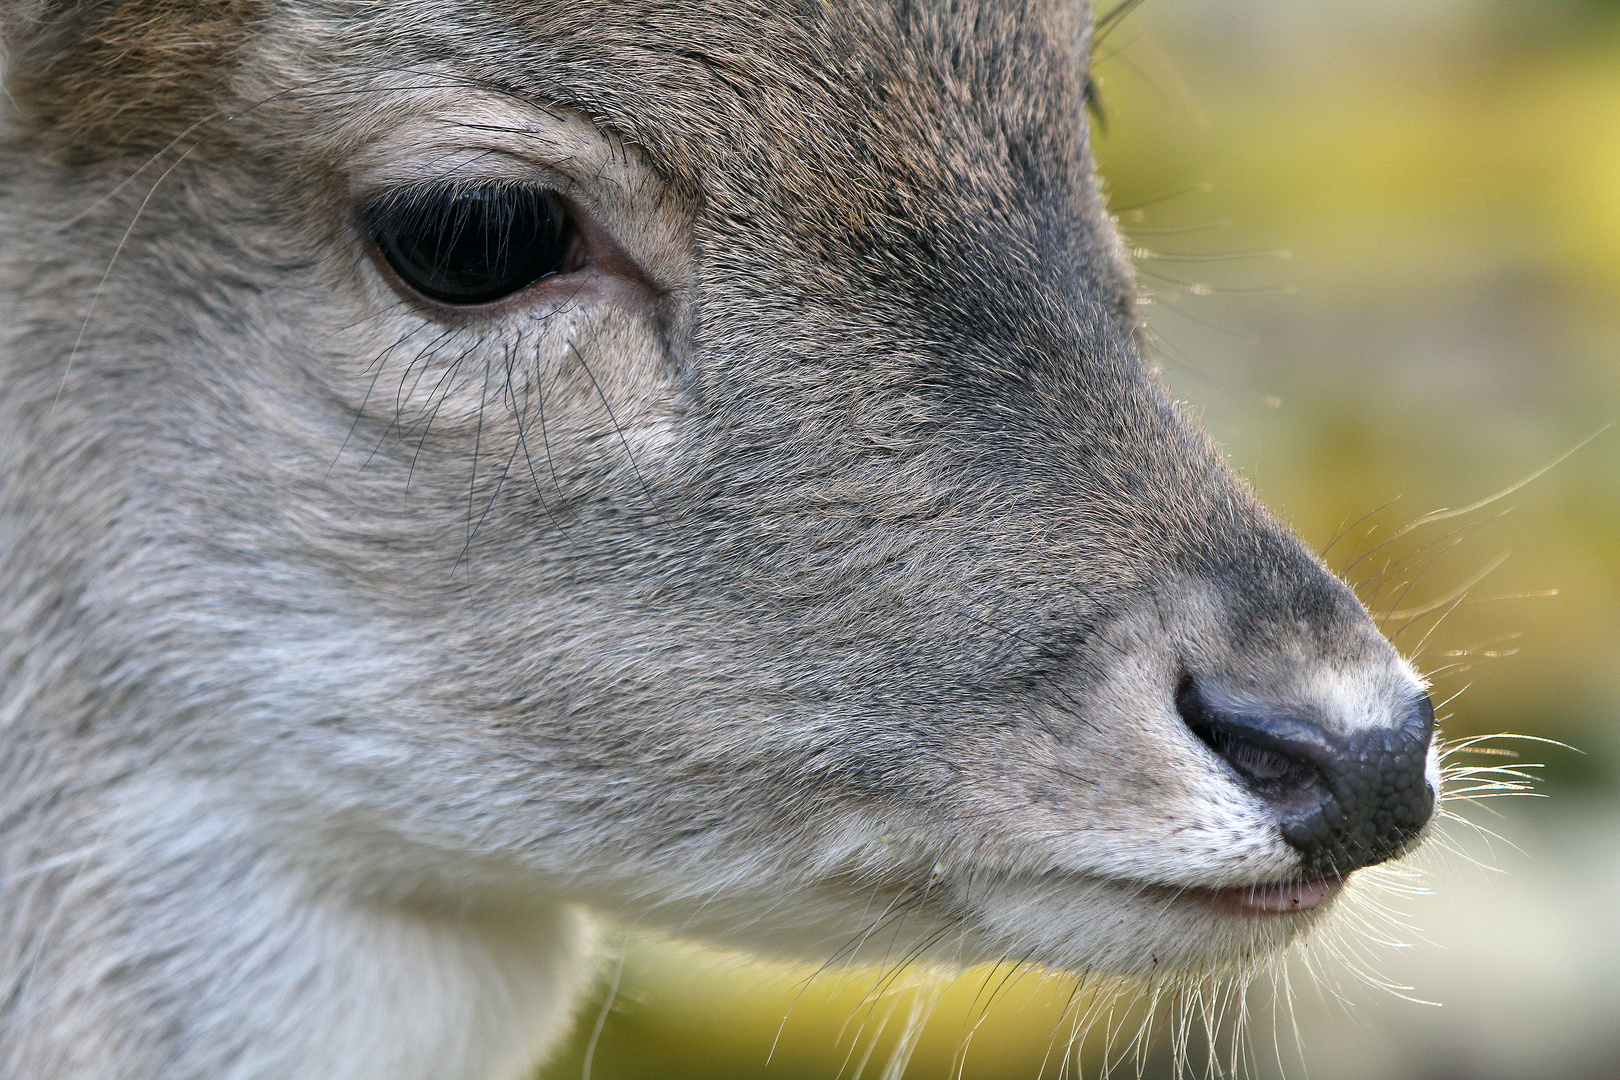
x,y
1380,242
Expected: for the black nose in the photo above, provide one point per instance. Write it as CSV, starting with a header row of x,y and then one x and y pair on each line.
x,y
1343,801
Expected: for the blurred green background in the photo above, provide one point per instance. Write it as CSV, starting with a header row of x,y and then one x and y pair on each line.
x,y
1380,248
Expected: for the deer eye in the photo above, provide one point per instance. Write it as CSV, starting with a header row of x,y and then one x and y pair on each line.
x,y
467,246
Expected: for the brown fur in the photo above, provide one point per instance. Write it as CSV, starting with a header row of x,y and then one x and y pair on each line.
x,y
122,74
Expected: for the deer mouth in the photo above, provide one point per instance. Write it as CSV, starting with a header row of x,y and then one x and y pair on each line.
x,y
1267,898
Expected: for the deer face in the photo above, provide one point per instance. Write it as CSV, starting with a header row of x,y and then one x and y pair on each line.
x,y
702,464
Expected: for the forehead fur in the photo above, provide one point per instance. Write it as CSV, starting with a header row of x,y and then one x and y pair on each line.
x,y
827,147
879,98
860,98
846,131
99,75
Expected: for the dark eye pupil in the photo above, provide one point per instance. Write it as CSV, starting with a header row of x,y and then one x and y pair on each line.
x,y
473,246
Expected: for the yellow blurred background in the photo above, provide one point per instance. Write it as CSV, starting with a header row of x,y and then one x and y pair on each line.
x,y
1380,248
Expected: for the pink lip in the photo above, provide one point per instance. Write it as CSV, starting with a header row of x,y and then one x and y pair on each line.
x,y
1259,899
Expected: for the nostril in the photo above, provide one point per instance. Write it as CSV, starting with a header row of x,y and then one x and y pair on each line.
x,y
1343,801
1273,774
1282,769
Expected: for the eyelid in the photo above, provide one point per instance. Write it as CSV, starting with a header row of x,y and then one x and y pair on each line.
x,y
486,139
456,179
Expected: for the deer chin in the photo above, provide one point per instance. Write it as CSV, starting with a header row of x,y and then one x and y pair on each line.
x,y
1105,927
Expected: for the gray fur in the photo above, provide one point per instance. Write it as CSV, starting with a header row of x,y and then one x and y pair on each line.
x,y
829,562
